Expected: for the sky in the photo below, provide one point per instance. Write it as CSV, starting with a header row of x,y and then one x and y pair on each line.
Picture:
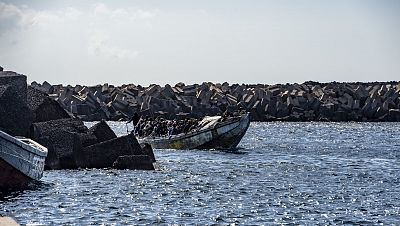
x,y
236,41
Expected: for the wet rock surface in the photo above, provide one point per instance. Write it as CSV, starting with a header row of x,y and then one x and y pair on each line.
x,y
142,162
309,101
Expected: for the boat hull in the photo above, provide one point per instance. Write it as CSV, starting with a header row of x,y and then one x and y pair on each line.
x,y
223,136
11,178
21,160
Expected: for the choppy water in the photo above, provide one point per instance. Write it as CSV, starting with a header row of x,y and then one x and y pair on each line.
x,y
301,173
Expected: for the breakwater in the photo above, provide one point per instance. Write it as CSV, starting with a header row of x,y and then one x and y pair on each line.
x,y
29,112
310,101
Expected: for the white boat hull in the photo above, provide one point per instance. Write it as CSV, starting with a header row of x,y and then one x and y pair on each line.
x,y
225,135
21,161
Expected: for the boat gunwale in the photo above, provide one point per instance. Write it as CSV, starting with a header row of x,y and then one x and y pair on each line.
x,y
37,149
195,133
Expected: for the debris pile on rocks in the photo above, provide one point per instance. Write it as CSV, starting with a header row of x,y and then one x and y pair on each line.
x,y
310,101
30,112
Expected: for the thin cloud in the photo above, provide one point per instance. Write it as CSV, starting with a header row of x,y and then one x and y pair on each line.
x,y
125,14
99,45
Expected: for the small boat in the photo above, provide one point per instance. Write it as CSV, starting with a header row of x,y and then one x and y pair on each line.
x,y
21,161
213,133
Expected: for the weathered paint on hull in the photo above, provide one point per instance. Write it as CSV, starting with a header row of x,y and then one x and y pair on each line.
x,y
223,136
11,178
228,139
20,162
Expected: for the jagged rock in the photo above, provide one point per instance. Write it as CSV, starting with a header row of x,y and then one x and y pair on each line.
x,y
148,150
116,103
43,128
43,107
394,115
46,88
102,131
134,162
15,116
62,148
104,154
64,139
17,81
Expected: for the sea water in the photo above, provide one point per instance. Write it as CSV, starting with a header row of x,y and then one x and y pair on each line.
x,y
283,173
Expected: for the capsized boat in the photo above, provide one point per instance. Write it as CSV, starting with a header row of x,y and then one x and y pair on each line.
x,y
21,161
213,133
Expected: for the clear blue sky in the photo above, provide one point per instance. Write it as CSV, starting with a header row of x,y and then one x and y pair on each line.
x,y
148,41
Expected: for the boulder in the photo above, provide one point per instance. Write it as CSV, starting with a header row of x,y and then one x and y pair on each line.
x,y
15,116
135,162
43,107
394,115
62,148
43,128
104,154
102,131
64,139
148,150
17,81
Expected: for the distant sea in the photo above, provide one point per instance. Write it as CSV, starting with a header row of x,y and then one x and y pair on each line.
x,y
283,173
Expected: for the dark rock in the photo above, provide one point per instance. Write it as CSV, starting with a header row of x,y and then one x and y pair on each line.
x,y
17,81
104,154
43,128
263,101
394,115
339,116
87,139
43,107
62,148
148,150
102,131
64,139
134,162
1,68
47,87
15,116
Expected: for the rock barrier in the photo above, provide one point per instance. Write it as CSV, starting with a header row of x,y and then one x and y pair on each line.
x,y
310,101
30,112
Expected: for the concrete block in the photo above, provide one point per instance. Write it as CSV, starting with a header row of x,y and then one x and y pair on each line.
x,y
84,109
178,90
292,102
382,90
133,162
152,90
15,115
356,104
148,150
360,92
17,82
43,107
104,154
394,115
102,131
167,92
275,91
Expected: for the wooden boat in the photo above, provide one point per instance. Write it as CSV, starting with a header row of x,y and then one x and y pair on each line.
x,y
21,161
212,134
